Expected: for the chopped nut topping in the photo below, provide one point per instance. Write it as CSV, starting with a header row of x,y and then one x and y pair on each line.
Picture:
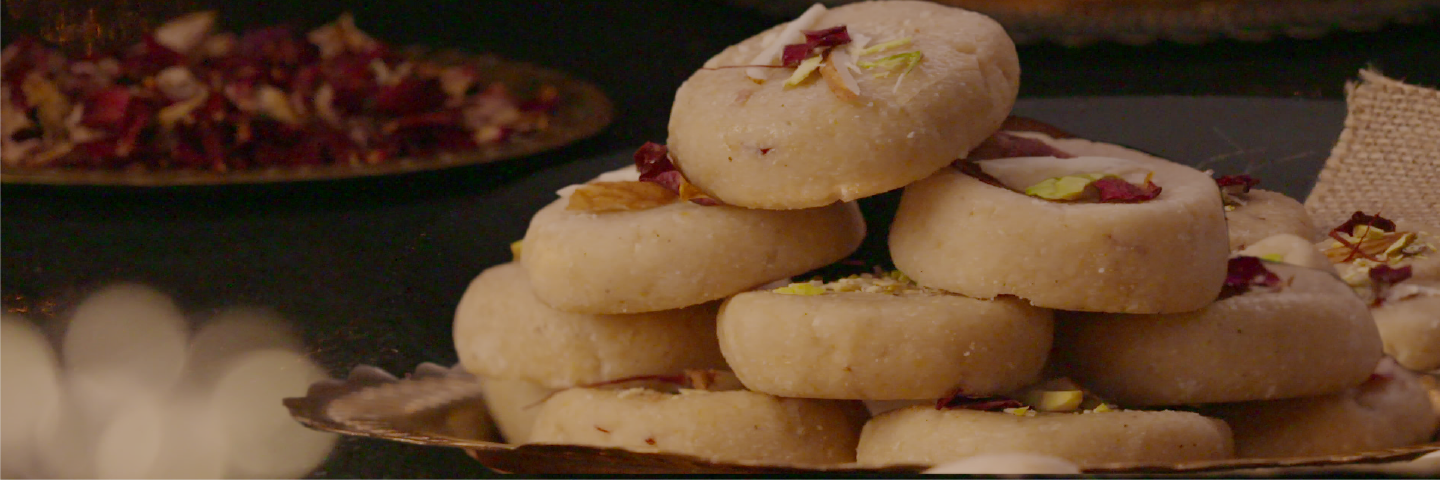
x,y
1096,187
891,283
619,196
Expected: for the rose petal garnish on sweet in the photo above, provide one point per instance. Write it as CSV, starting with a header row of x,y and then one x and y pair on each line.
x,y
973,169
1371,238
794,53
1383,278
1236,184
1117,190
652,160
958,400
1098,187
1005,145
1245,272
772,48
1359,218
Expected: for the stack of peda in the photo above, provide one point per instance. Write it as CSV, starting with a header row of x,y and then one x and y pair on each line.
x,y
1059,297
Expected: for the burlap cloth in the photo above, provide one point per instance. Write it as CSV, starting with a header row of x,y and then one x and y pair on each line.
x,y
1388,157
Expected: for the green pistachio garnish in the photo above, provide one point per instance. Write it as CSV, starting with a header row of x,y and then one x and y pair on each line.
x,y
892,282
883,46
803,71
1069,187
908,59
801,289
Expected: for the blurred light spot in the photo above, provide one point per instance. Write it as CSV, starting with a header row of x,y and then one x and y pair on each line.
x,y
29,393
266,442
137,398
231,333
129,447
124,341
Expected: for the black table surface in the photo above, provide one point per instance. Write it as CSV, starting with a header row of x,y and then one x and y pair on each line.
x,y
417,239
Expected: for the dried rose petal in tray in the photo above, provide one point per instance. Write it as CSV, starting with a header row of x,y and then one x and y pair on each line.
x,y
187,104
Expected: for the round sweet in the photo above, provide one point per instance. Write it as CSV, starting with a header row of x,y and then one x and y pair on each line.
x,y
882,346
513,404
733,426
677,255
503,331
924,435
1410,325
771,146
1265,213
1166,254
1313,337
1390,410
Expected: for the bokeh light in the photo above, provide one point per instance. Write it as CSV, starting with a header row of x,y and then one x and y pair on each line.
x,y
133,394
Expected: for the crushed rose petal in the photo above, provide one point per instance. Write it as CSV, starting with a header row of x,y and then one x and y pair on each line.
x,y
795,53
959,401
1383,277
1117,190
186,97
1360,218
1244,272
653,161
1005,145
973,169
1236,184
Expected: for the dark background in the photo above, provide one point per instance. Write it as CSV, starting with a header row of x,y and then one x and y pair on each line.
x,y
254,242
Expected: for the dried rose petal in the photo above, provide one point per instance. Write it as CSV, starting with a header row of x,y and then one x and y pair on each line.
x,y
1236,184
410,96
652,159
1244,272
106,108
1360,218
1117,190
653,162
1382,277
149,57
1005,145
22,56
546,100
973,169
814,39
829,37
795,53
1024,124
960,401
